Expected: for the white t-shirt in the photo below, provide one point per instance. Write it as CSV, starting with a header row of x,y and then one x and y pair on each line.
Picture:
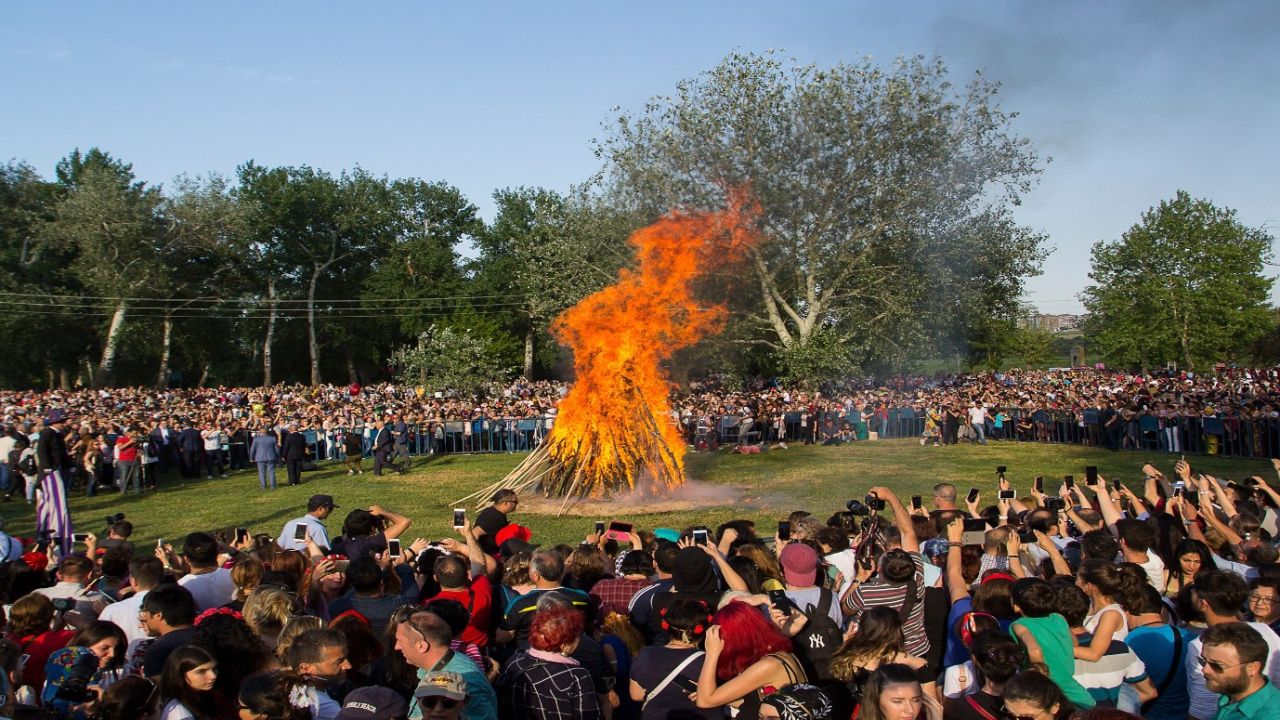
x,y
1154,568
211,590
174,710
951,686
977,415
125,615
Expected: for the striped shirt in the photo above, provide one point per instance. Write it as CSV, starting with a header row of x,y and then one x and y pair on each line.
x,y
878,593
1104,676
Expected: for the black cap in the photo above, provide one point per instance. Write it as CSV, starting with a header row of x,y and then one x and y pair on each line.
x,y
320,501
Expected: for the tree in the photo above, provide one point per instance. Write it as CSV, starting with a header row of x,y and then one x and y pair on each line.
x,y
112,223
1184,285
451,358
878,185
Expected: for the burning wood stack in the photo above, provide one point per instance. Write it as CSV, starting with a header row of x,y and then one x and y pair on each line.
x,y
614,432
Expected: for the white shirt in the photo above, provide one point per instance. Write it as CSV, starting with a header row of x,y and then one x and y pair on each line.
x,y
1154,568
211,590
7,443
125,615
1204,704
977,415
174,710
316,530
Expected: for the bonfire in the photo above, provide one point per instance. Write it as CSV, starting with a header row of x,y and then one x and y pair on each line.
x,y
614,432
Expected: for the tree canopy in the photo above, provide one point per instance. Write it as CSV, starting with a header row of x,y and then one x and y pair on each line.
x,y
1185,285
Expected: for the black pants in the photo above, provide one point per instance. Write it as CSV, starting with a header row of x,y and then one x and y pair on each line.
x,y
295,471
213,462
382,459
191,463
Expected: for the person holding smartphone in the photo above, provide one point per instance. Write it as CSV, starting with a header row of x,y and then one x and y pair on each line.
x,y
664,678
318,509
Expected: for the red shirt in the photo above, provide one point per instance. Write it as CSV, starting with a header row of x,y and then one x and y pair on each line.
x,y
479,600
129,454
39,648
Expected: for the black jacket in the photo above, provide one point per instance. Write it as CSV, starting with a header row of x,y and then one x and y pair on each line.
x,y
190,440
295,446
385,438
51,451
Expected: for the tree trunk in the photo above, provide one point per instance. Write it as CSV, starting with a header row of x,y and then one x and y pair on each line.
x,y
64,378
352,376
204,375
162,377
111,349
271,330
528,352
48,371
312,345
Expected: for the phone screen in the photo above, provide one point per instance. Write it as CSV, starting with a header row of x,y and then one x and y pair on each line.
x,y
242,534
779,599
300,532
917,502
393,547
700,537
599,527
1069,481
784,529
1039,483
619,530
79,537
973,494
1006,494
1091,475
459,517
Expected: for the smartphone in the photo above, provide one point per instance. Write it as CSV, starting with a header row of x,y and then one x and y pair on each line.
x,y
917,502
1179,489
1000,470
973,495
700,536
393,547
1007,494
1039,484
300,532
1091,475
619,531
599,528
688,685
160,542
459,517
779,599
242,534
1115,485
1069,481
79,537
1192,496
1026,536
784,529
975,531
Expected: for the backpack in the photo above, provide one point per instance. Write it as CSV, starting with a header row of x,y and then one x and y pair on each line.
x,y
820,639
27,465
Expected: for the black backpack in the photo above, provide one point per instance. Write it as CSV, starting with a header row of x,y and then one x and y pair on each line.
x,y
820,639
27,465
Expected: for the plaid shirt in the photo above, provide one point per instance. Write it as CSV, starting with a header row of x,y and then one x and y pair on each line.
x,y
537,685
614,595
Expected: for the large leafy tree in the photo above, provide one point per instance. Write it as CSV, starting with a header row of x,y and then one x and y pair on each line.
x,y
879,186
1185,285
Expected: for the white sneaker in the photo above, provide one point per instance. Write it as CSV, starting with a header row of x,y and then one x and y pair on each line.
x,y
351,472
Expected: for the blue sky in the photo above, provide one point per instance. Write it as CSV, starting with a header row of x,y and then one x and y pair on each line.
x,y
1132,100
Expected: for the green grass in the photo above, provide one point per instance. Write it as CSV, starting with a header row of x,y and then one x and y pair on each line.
x,y
760,487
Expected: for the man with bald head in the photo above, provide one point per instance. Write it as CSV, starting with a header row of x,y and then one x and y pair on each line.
x,y
944,497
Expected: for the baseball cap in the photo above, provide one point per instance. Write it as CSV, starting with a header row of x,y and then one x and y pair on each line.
x,y
320,501
442,684
373,703
799,564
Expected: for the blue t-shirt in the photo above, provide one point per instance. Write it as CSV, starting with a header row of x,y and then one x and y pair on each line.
x,y
957,653
1154,646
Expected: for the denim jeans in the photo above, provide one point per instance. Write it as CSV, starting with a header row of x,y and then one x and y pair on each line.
x,y
266,469
978,432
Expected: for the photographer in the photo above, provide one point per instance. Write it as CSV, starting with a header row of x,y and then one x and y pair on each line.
x,y
898,581
127,465
74,573
76,674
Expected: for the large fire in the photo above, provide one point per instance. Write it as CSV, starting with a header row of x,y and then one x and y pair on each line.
x,y
613,431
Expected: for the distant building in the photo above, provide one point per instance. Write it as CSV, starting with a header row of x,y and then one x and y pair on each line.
x,y
1053,323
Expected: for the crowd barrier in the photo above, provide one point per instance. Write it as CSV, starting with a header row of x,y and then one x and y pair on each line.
x,y
1230,437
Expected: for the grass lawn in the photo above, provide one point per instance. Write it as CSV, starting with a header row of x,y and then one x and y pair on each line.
x,y
761,487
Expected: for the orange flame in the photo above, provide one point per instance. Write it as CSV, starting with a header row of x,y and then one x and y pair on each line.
x,y
614,428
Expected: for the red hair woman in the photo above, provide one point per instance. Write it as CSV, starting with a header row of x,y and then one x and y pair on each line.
x,y
544,682
747,660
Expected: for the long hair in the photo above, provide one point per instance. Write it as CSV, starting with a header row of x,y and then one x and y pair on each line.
x,y
268,694
31,615
235,648
884,677
246,575
173,681
1190,547
131,698
766,562
1037,689
295,565
99,630
747,636
879,637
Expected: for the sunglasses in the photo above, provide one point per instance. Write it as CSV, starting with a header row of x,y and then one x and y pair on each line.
x,y
444,702
1214,665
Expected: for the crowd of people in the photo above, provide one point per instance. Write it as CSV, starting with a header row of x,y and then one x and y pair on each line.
x,y
126,438
1089,600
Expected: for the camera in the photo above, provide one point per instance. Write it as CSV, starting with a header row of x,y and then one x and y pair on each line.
x,y
874,504
1053,502
64,604
856,508
113,519
75,688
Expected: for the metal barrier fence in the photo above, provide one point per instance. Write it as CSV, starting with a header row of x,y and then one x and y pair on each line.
x,y
1230,437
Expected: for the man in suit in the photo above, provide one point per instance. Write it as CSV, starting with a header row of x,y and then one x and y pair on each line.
x,y
383,446
164,440
295,453
191,445
266,454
